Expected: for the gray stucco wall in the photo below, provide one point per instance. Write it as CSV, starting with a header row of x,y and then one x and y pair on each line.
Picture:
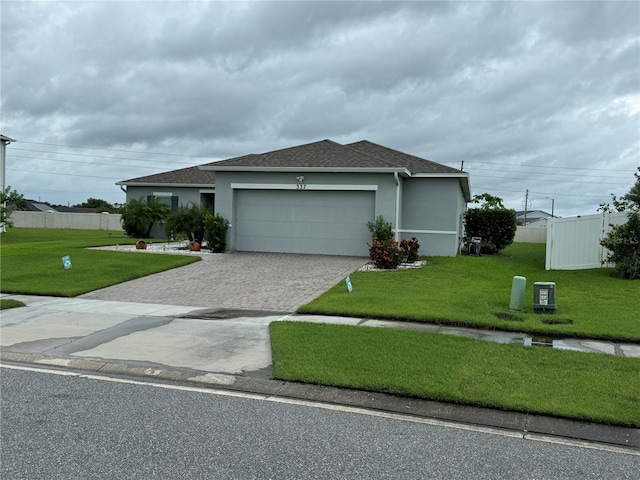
x,y
431,212
186,196
225,202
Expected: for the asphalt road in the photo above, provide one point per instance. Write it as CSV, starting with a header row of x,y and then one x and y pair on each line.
x,y
73,426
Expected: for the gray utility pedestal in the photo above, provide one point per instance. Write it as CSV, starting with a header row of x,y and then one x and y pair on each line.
x,y
544,297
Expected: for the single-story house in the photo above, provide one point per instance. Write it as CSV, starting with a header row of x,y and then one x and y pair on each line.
x,y
533,218
317,198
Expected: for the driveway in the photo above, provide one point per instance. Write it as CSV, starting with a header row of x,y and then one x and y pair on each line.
x,y
274,282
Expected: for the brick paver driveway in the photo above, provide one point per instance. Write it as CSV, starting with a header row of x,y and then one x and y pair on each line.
x,y
278,282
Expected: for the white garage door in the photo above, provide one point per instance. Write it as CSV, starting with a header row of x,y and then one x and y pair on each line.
x,y
321,222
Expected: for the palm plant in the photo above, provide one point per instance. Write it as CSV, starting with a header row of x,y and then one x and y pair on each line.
x,y
139,216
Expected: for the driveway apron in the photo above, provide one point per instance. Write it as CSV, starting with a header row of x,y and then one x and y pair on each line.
x,y
276,282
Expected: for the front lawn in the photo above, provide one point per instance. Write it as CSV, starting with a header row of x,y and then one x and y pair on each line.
x,y
475,292
584,386
32,261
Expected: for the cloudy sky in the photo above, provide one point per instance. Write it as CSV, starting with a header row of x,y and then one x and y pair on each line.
x,y
543,96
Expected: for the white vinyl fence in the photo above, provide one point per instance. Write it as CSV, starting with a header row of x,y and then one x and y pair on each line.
x,y
573,243
531,234
78,221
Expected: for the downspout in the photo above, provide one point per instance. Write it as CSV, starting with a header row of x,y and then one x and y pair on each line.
x,y
397,222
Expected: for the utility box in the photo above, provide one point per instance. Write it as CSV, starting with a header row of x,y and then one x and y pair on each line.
x,y
518,286
544,297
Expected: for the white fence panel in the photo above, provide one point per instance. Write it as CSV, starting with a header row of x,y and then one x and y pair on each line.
x,y
573,243
78,221
531,234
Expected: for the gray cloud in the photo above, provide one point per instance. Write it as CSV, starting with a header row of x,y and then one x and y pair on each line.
x,y
527,94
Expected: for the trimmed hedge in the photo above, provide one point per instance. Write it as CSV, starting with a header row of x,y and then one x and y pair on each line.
x,y
496,226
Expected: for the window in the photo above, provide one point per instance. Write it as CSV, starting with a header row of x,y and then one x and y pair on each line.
x,y
166,198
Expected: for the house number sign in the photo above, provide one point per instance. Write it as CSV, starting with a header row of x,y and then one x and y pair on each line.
x,y
301,185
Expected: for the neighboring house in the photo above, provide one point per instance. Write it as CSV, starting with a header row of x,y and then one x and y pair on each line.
x,y
35,206
317,198
534,218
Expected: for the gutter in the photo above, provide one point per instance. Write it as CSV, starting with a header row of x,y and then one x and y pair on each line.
x,y
397,222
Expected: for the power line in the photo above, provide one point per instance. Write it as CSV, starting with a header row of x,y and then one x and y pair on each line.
x,y
545,193
541,173
544,179
113,149
84,163
90,155
63,174
544,166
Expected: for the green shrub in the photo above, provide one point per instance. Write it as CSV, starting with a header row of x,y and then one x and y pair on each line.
x,y
187,221
496,226
380,229
623,242
215,232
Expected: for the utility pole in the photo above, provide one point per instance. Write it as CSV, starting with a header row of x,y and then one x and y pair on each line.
x,y
553,202
526,206
4,141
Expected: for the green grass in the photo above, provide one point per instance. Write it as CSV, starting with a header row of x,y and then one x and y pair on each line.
x,y
6,303
584,386
475,292
32,261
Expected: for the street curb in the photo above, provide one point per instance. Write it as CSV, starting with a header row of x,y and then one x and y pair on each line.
x,y
524,423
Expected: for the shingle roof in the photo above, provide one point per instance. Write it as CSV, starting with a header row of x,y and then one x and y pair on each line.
x,y
325,154
322,154
329,154
400,159
183,176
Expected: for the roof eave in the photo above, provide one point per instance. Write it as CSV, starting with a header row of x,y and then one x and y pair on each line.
x,y
165,184
214,168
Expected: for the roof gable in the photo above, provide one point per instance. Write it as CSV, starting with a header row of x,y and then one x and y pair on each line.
x,y
322,154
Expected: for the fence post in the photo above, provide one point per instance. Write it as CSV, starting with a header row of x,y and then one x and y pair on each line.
x,y
104,221
549,250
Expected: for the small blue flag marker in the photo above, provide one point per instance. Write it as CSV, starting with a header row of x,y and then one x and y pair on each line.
x,y
349,287
66,261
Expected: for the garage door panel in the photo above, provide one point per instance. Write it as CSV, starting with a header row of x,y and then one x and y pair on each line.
x,y
326,222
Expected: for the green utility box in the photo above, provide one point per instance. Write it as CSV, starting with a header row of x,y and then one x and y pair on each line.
x,y
518,286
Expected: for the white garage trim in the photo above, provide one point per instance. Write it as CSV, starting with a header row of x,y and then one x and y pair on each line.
x,y
301,186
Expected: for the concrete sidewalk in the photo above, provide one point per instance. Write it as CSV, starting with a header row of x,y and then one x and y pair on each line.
x,y
230,348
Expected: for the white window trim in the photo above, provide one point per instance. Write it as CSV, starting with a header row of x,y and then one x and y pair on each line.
x,y
162,194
